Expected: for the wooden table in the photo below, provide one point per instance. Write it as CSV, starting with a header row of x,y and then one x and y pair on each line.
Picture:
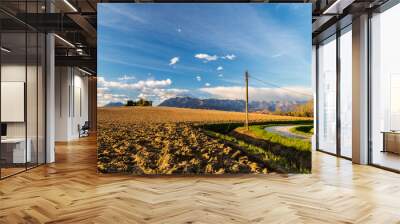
x,y
13,150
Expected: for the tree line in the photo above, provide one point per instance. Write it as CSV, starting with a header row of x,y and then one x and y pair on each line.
x,y
140,102
302,110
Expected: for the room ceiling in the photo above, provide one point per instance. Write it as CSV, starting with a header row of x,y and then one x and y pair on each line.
x,y
76,21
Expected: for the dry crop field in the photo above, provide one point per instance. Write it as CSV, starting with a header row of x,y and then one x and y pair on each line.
x,y
163,140
170,114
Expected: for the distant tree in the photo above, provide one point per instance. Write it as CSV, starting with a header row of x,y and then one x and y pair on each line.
x,y
147,103
130,103
278,110
140,102
304,110
301,110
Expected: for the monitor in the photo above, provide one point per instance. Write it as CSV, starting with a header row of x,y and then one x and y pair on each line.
x,y
3,129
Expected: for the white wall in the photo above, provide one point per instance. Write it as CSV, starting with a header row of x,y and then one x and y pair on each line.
x,y
17,73
71,102
62,82
33,126
10,73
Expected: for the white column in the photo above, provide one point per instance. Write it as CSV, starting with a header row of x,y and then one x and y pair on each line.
x,y
50,99
360,90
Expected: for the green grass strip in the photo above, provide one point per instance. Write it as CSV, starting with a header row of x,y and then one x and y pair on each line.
x,y
226,127
275,162
305,130
260,132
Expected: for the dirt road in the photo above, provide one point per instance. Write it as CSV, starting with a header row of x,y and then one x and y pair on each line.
x,y
285,131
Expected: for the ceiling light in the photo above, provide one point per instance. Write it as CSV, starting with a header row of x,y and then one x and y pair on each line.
x,y
70,5
5,50
86,72
331,7
337,7
79,51
64,40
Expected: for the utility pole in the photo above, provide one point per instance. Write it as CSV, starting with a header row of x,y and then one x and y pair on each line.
x,y
246,78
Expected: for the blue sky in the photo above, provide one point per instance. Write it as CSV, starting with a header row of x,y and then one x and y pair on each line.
x,y
158,51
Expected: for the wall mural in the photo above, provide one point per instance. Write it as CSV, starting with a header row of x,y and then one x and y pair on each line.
x,y
204,88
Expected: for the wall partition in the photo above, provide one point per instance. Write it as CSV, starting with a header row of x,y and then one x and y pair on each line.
x,y
334,98
22,98
14,154
385,89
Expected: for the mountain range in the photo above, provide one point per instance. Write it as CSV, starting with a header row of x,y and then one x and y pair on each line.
x,y
231,105
115,104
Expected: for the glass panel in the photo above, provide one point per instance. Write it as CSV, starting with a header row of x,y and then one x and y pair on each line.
x,y
31,98
32,88
385,84
346,93
327,96
13,86
23,90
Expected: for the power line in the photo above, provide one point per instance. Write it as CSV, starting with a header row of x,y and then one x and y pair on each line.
x,y
280,87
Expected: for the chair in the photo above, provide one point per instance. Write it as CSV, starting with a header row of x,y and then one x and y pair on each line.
x,y
84,130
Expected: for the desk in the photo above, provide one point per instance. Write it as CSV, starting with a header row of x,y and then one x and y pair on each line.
x,y
391,141
13,150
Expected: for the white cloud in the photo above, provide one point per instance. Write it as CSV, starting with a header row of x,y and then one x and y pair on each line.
x,y
260,94
134,86
206,57
277,55
126,78
179,30
229,57
159,95
174,60
102,89
198,78
207,84
220,68
220,75
155,90
104,97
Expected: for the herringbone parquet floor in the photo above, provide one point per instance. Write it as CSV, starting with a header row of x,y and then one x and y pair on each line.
x,y
70,191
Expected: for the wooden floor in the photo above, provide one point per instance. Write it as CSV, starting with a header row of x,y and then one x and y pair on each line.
x,y
386,159
70,191
5,172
